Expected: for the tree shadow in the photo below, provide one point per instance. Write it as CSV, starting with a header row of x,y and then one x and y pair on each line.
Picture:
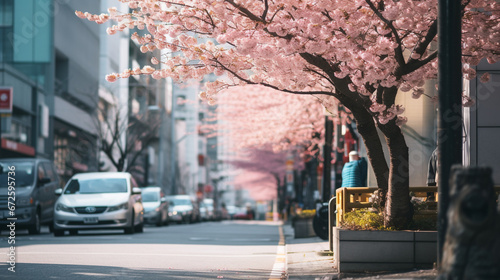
x,y
31,271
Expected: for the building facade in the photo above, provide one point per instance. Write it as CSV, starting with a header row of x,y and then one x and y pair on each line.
x,y
55,64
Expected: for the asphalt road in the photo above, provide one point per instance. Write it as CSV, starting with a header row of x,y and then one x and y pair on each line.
x,y
212,250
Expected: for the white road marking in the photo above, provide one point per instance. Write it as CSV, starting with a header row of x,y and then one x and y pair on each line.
x,y
280,268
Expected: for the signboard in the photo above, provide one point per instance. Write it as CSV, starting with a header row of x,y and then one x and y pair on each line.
x,y
6,98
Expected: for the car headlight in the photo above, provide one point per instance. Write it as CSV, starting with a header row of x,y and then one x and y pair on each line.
x,y
64,208
24,201
118,207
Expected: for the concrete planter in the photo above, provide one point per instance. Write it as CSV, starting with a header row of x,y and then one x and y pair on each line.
x,y
360,251
303,228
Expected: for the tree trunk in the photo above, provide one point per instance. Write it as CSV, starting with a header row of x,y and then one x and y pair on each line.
x,y
398,211
375,153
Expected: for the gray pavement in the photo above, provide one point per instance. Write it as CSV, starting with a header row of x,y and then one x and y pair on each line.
x,y
308,259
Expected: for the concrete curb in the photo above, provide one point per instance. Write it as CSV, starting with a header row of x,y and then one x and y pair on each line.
x,y
310,259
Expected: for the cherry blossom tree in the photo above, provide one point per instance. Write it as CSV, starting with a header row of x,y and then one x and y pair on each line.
x,y
265,126
361,52
262,169
256,116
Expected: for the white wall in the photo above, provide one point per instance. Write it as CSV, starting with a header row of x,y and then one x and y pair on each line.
x,y
483,121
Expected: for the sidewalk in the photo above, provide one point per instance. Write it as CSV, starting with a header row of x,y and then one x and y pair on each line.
x,y
307,259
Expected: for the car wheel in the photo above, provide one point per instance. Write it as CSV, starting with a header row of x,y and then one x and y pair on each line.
x,y
58,232
159,220
73,232
131,228
139,227
35,228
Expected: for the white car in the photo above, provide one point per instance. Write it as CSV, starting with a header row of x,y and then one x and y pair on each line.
x,y
101,200
155,206
209,205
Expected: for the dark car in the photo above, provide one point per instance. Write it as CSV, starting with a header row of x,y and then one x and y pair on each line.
x,y
183,209
31,183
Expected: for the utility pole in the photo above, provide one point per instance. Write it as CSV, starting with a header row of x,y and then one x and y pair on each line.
x,y
173,150
327,160
450,106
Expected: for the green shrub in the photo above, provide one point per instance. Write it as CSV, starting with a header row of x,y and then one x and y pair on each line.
x,y
424,222
362,219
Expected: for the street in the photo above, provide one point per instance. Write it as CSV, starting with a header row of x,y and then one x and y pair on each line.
x,y
211,250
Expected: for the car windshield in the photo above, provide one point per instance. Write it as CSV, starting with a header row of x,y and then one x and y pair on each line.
x,y
103,185
23,174
179,201
150,197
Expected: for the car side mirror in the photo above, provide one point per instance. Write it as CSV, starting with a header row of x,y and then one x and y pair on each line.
x,y
43,181
58,191
136,191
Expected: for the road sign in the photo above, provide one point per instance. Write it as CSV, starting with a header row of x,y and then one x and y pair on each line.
x,y
6,98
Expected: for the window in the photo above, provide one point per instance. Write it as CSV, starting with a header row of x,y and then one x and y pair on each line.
x,y
150,197
41,172
6,11
93,186
49,172
24,173
32,47
61,153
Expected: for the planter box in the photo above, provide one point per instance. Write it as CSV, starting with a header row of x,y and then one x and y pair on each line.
x,y
303,228
360,251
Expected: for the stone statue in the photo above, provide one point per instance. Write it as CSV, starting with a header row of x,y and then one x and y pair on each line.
x,y
472,245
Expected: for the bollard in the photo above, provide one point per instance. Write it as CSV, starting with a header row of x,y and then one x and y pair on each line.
x,y
321,222
332,217
472,244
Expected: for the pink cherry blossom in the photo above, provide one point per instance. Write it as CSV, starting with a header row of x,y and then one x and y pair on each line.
x,y
360,52
148,70
467,101
417,93
80,14
111,77
485,78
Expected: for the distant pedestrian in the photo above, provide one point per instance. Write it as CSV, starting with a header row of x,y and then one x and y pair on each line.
x,y
250,212
433,173
224,213
354,173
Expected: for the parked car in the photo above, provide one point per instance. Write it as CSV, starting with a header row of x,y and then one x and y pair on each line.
x,y
243,214
203,211
105,200
31,183
231,211
209,204
183,209
155,206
